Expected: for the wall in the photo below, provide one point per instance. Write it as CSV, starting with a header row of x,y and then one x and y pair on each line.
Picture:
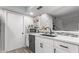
x,y
67,24
28,20
58,24
71,24
46,21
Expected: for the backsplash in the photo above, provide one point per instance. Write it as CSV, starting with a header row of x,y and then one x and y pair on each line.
x,y
68,34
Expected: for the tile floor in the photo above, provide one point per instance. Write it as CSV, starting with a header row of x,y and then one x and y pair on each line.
x,y
20,50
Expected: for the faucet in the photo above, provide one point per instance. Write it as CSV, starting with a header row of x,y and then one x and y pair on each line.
x,y
49,30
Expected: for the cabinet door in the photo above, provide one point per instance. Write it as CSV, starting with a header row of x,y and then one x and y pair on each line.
x,y
70,48
57,50
47,49
38,45
47,45
43,45
14,31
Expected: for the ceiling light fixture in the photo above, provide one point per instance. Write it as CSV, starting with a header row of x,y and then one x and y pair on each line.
x,y
39,7
31,13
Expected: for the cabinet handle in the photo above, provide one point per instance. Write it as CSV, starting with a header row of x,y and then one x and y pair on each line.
x,y
63,46
22,33
54,50
41,45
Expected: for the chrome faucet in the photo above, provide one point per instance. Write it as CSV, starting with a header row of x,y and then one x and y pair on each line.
x,y
49,30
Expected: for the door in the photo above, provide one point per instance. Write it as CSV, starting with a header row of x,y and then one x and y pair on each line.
x,y
14,31
38,45
47,46
43,45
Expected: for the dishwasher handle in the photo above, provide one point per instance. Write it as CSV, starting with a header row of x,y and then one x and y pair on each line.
x,y
63,46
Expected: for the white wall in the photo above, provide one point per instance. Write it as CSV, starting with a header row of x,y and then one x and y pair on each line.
x,y
71,24
58,24
67,24
46,21
28,20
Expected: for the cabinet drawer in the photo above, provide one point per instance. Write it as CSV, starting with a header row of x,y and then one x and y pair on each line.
x,y
47,42
66,46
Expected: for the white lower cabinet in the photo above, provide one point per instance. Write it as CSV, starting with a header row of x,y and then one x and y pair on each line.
x,y
43,45
38,45
62,47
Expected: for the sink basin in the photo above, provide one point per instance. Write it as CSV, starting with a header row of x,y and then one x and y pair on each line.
x,y
50,35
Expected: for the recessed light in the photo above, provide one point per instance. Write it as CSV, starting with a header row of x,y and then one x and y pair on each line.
x,y
31,13
39,7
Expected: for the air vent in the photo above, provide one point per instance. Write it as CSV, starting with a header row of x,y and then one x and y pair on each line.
x,y
39,7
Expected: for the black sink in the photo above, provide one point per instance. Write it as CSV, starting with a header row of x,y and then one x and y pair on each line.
x,y
49,35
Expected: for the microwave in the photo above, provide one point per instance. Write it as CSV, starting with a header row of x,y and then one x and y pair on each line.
x,y
33,30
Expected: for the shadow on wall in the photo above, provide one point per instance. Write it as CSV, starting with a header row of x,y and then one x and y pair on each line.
x,y
71,24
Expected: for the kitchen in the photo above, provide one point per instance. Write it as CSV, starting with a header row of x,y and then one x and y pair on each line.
x,y
39,29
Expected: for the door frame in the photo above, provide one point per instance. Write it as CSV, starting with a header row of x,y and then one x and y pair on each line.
x,y
12,12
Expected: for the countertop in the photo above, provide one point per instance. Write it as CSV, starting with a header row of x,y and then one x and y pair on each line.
x,y
67,39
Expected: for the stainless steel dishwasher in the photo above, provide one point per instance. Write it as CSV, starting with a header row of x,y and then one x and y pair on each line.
x,y
32,43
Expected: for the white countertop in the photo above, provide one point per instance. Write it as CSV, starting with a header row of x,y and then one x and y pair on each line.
x,y
72,40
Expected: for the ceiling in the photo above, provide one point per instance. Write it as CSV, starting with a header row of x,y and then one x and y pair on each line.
x,y
19,9
57,11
